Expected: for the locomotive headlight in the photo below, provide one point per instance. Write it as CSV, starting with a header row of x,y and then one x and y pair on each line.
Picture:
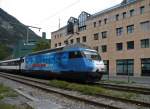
x,y
99,66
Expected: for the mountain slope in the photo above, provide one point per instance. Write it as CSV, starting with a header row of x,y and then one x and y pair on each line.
x,y
13,31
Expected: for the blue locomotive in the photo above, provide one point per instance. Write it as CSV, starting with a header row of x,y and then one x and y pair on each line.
x,y
75,62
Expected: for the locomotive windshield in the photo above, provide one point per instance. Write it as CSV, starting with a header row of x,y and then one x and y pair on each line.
x,y
92,55
88,54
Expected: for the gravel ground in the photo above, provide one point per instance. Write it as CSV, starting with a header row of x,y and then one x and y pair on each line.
x,y
57,101
63,103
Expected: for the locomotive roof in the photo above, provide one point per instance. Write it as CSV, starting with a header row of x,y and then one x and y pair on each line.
x,y
17,59
62,48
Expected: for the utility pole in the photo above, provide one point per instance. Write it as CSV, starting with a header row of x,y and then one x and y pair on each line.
x,y
59,24
27,41
27,29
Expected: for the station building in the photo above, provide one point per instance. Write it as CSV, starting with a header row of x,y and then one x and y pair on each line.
x,y
121,35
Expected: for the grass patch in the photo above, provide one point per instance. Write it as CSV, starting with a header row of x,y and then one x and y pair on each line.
x,y
117,82
9,106
6,92
90,90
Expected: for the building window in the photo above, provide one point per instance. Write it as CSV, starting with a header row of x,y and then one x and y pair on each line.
x,y
59,44
71,41
145,43
145,66
96,36
130,29
104,48
119,46
95,48
145,26
55,45
124,14
142,9
100,22
130,45
78,40
82,21
105,21
84,38
117,17
131,12
94,23
104,34
66,42
125,67
119,31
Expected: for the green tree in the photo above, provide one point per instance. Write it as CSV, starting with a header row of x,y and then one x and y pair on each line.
x,y
4,51
41,45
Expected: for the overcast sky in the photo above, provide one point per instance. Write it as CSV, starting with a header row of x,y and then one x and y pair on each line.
x,y
46,13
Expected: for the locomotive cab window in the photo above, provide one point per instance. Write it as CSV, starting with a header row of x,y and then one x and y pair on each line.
x,y
75,54
92,55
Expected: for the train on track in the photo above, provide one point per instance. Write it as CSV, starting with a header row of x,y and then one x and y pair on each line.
x,y
73,62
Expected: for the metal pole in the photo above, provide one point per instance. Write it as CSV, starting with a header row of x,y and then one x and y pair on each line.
x,y
108,75
128,75
27,35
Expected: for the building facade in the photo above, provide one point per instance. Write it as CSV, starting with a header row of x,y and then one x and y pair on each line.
x,y
121,34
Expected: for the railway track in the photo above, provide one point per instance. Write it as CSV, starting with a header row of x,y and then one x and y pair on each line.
x,y
140,90
44,86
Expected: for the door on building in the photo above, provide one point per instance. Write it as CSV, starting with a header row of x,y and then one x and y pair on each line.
x,y
106,62
145,67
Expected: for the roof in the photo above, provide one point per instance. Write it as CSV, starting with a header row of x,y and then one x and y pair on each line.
x,y
124,3
17,59
67,47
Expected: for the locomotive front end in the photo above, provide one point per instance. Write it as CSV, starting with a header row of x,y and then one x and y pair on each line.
x,y
95,64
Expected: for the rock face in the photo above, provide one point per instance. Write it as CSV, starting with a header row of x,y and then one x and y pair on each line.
x,y
12,31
